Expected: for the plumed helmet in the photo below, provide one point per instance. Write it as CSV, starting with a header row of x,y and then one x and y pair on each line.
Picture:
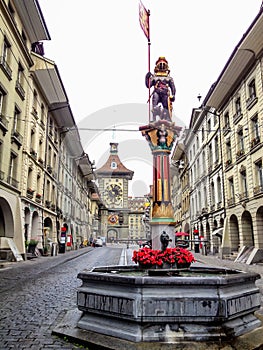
x,y
161,65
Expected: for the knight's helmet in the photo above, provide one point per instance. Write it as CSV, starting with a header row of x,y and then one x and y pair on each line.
x,y
161,66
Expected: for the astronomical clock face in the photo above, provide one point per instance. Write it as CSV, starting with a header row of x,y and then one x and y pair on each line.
x,y
113,194
113,219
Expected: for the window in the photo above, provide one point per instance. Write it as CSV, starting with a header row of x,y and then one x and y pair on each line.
x,y
210,155
199,201
216,150
228,152
11,10
240,142
215,119
243,176
113,165
252,89
209,125
2,102
259,174
49,157
17,120
198,169
212,193
12,172
238,106
255,131
35,101
24,37
1,156
231,190
29,178
5,59
50,127
252,96
42,118
219,191
226,120
32,143
19,82
205,196
203,161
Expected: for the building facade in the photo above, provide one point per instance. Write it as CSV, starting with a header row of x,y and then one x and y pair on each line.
x,y
224,152
46,179
113,181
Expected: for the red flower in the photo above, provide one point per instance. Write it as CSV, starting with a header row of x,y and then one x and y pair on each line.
x,y
149,257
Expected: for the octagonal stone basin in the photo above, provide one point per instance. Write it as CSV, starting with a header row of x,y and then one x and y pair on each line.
x,y
195,304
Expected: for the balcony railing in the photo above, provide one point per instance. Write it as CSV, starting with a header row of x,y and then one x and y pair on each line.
x,y
251,101
237,117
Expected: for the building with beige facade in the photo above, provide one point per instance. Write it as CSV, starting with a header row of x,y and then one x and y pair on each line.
x,y
137,220
46,179
224,152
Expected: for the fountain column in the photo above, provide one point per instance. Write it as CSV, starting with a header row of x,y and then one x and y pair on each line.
x,y
160,136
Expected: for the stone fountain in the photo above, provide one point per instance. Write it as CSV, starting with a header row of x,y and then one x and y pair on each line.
x,y
126,307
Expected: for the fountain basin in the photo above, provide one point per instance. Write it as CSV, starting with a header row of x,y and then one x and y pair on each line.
x,y
196,304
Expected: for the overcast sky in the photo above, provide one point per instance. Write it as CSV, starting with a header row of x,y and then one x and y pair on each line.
x,y
102,53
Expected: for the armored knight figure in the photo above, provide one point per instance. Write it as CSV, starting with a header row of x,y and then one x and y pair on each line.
x,y
164,90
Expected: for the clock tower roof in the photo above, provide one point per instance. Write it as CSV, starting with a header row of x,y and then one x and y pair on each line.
x,y
113,166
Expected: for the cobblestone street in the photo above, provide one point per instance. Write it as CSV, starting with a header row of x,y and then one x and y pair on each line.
x,y
35,295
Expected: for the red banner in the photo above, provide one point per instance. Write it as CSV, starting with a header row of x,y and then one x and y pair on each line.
x,y
144,20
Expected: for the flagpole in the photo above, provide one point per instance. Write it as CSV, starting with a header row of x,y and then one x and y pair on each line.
x,y
144,19
149,69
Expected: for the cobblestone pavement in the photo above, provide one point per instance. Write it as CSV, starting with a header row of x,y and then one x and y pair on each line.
x,y
35,295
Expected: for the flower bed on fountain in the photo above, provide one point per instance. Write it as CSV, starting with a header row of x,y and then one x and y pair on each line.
x,y
177,257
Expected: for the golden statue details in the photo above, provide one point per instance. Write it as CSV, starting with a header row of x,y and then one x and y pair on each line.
x,y
164,90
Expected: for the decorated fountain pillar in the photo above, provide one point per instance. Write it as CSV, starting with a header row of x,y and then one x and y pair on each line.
x,y
160,136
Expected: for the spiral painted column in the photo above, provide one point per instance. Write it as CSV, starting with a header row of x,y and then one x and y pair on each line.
x,y
160,136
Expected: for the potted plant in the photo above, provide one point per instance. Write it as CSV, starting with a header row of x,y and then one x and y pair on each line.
x,y
45,251
32,244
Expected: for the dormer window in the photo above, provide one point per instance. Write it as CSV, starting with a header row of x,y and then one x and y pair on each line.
x,y
113,165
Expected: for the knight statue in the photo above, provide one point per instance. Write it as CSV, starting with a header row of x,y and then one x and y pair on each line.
x,y
164,90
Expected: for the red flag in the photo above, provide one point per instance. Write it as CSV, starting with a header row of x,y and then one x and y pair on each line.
x,y
144,20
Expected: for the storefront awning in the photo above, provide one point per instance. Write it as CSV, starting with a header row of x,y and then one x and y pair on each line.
x,y
218,232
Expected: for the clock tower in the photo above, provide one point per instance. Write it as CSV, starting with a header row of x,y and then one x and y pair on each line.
x,y
113,179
